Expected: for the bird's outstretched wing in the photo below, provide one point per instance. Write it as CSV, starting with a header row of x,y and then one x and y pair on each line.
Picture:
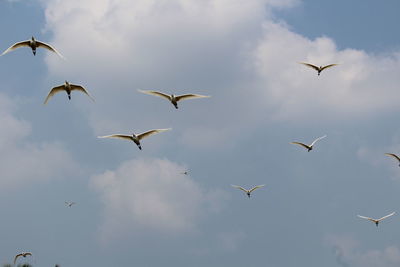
x,y
151,132
387,216
316,140
69,204
82,89
49,47
189,96
301,144
310,65
239,187
16,45
120,136
328,66
156,93
54,91
367,218
256,187
16,257
393,155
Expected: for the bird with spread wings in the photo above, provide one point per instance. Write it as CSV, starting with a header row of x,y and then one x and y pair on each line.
x,y
33,44
310,146
173,98
23,254
376,221
248,191
67,87
135,137
318,69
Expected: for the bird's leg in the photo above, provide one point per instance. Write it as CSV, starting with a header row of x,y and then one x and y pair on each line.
x,y
34,51
176,106
248,194
376,224
69,95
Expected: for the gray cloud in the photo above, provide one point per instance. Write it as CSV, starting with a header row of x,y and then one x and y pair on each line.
x,y
152,194
23,161
348,253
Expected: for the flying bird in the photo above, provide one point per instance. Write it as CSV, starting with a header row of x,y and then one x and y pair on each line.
x,y
185,172
173,98
69,204
318,69
33,44
248,192
376,221
309,147
394,156
67,87
135,138
23,254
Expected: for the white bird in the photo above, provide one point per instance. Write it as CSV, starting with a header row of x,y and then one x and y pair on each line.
x,y
68,87
33,44
69,204
173,98
318,69
394,156
248,192
22,254
135,137
310,146
376,221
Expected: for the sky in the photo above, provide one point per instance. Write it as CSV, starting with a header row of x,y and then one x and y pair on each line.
x,y
136,207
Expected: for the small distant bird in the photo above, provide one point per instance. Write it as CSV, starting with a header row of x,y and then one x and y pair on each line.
x,y
309,147
318,69
248,192
68,87
33,44
69,204
173,98
394,156
185,173
135,138
23,254
376,221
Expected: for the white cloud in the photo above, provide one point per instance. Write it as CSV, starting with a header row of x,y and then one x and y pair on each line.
x,y
361,85
22,160
347,252
152,194
232,50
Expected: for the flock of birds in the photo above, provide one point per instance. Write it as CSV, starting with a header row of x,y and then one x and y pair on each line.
x,y
174,99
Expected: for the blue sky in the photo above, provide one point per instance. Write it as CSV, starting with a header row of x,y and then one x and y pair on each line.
x,y
134,207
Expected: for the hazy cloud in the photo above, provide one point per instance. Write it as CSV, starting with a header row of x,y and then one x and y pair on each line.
x,y
152,194
348,253
23,161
